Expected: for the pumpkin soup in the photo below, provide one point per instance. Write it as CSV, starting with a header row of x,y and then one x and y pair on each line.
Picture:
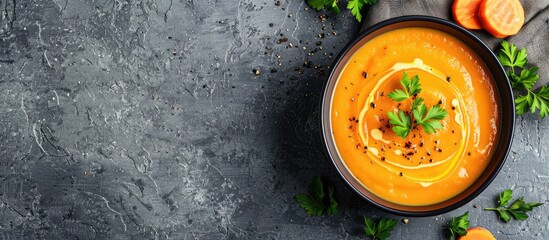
x,y
423,167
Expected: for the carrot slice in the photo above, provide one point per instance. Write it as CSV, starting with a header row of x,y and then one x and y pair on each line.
x,y
478,233
501,18
466,13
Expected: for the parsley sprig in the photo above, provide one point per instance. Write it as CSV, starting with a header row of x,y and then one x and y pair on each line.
x,y
458,226
429,121
332,5
410,87
380,230
317,201
401,123
324,4
509,56
356,5
428,118
518,209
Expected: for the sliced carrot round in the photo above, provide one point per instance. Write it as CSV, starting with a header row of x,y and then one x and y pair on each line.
x,y
478,233
465,13
501,18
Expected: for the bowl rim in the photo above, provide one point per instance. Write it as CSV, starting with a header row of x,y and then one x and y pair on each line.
x,y
506,107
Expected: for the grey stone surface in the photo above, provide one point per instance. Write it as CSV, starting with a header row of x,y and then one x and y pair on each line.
x,y
145,120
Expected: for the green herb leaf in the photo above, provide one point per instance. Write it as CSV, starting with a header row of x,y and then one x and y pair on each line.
x,y
316,202
518,209
324,4
543,96
503,216
529,77
311,205
398,95
316,188
505,197
411,87
385,227
432,127
458,226
519,215
429,121
435,113
418,102
509,55
401,123
369,227
533,101
517,204
419,112
332,206
522,103
355,6
535,204
334,7
317,4
381,230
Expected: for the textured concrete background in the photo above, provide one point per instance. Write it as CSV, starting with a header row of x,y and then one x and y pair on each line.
x,y
145,120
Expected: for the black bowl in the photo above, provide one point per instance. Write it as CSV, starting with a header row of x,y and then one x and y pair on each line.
x,y
507,115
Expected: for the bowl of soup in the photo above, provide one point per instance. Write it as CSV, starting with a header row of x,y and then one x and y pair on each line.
x,y
435,167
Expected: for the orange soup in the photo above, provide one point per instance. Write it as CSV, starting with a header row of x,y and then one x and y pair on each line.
x,y
420,169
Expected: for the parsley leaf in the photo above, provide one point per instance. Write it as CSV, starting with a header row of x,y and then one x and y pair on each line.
x,y
543,98
324,4
429,121
458,226
316,4
411,87
312,205
510,56
518,209
334,7
369,227
416,103
526,79
505,197
398,95
332,206
381,230
315,202
401,123
356,5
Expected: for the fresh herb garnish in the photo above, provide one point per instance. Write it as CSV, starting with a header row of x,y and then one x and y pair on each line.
x,y
458,226
401,123
429,119
380,230
324,4
354,5
510,56
518,209
316,201
411,87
